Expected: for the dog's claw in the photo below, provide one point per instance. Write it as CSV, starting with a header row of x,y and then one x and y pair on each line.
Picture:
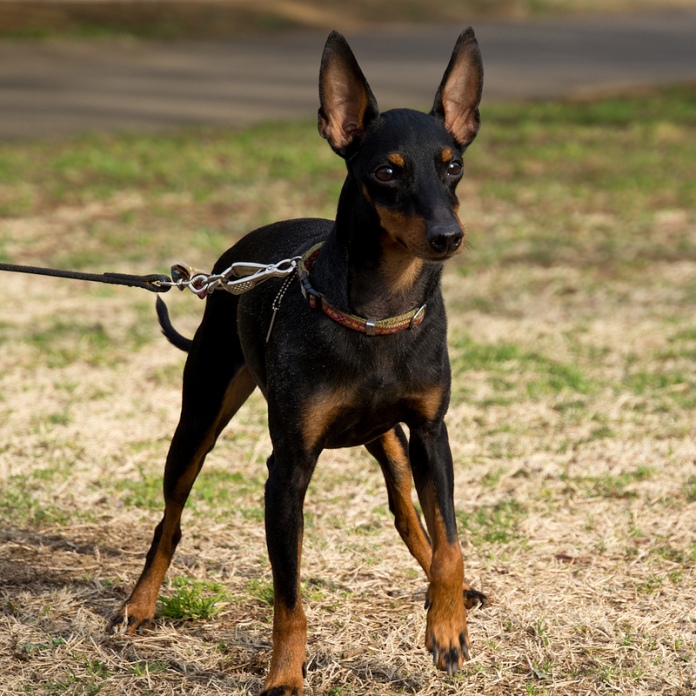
x,y
279,691
120,624
450,658
129,624
464,641
473,598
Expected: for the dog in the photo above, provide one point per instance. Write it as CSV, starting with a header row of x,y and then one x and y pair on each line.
x,y
345,354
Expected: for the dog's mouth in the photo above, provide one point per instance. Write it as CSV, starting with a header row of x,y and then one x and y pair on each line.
x,y
425,252
434,242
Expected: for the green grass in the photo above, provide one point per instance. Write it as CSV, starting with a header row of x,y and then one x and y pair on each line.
x,y
554,160
514,371
494,524
261,591
23,497
217,489
144,492
200,163
610,485
191,599
64,343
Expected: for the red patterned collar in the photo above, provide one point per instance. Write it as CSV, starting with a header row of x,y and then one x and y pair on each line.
x,y
316,300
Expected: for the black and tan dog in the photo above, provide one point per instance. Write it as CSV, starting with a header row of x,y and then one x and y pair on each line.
x,y
358,347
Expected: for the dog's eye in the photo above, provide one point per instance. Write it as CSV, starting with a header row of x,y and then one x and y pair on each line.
x,y
385,174
455,168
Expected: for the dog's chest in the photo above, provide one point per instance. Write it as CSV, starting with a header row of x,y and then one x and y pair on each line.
x,y
356,411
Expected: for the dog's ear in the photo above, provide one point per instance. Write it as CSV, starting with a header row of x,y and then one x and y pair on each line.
x,y
458,97
347,102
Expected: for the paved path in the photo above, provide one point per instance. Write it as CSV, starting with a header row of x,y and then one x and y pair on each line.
x,y
59,88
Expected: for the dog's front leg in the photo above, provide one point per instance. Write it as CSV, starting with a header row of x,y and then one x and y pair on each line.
x,y
446,632
285,491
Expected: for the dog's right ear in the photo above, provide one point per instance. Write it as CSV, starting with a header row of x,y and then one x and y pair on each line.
x,y
347,102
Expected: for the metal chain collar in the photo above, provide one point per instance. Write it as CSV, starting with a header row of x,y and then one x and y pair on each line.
x,y
239,278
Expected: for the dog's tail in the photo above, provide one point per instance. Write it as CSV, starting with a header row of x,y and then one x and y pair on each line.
x,y
173,336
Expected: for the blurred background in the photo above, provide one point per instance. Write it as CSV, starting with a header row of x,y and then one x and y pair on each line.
x,y
70,67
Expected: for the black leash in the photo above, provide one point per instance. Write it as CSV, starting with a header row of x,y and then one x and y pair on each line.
x,y
153,282
239,278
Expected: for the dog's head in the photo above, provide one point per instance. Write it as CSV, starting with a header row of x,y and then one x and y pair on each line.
x,y
407,163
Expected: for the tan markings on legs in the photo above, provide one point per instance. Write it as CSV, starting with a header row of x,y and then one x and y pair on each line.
x,y
289,649
320,412
287,668
398,479
139,610
406,519
140,607
446,628
397,475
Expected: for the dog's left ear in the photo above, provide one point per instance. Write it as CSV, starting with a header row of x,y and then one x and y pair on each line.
x,y
458,97
347,102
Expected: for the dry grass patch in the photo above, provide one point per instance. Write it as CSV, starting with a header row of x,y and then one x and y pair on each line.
x,y
572,338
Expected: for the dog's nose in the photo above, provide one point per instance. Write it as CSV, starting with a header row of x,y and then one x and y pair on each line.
x,y
445,239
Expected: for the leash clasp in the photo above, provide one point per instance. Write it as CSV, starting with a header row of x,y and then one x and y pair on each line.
x,y
237,279
248,275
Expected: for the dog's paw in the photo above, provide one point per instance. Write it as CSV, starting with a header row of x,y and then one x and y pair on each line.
x,y
449,651
446,633
281,691
450,659
473,598
129,621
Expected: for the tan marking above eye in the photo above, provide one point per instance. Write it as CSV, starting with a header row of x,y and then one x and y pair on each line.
x,y
396,159
447,155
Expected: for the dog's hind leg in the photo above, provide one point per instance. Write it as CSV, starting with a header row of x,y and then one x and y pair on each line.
x,y
216,384
391,451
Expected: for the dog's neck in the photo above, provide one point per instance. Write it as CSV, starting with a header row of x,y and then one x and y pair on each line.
x,y
362,272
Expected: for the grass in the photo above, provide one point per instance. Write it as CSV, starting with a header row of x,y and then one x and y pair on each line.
x,y
191,600
572,338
